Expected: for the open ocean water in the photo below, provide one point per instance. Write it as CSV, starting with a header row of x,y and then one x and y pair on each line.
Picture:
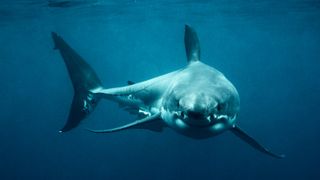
x,y
269,49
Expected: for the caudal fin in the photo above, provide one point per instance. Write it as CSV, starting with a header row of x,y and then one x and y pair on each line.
x,y
83,78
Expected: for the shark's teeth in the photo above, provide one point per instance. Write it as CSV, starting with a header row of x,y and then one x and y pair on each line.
x,y
209,118
222,117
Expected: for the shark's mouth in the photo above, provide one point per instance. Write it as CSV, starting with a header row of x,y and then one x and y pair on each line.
x,y
200,120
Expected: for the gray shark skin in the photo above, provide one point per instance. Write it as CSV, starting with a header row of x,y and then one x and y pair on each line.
x,y
196,101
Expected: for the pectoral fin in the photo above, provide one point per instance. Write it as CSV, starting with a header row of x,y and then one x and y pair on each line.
x,y
138,124
248,139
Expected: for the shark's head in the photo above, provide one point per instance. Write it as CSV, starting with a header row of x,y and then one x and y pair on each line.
x,y
201,101
203,104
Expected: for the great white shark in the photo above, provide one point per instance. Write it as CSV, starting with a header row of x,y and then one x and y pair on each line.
x,y
197,101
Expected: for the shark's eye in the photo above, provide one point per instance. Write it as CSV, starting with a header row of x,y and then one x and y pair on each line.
x,y
221,107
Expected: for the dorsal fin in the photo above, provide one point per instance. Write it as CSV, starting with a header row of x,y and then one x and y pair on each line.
x,y
192,44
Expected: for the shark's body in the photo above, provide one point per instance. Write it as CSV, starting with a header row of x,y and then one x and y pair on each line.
x,y
197,101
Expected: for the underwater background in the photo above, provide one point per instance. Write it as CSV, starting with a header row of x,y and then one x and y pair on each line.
x,y
269,49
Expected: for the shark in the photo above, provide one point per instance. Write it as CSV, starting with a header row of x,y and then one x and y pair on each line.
x,y
197,101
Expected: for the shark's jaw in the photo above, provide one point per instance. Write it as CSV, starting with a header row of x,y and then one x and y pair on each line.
x,y
197,128
203,120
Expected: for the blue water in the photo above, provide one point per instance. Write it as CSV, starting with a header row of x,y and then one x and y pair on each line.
x,y
270,50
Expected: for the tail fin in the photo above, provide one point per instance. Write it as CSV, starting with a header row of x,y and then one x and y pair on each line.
x,y
83,78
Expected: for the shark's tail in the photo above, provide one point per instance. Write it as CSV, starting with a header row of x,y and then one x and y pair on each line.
x,y
84,80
